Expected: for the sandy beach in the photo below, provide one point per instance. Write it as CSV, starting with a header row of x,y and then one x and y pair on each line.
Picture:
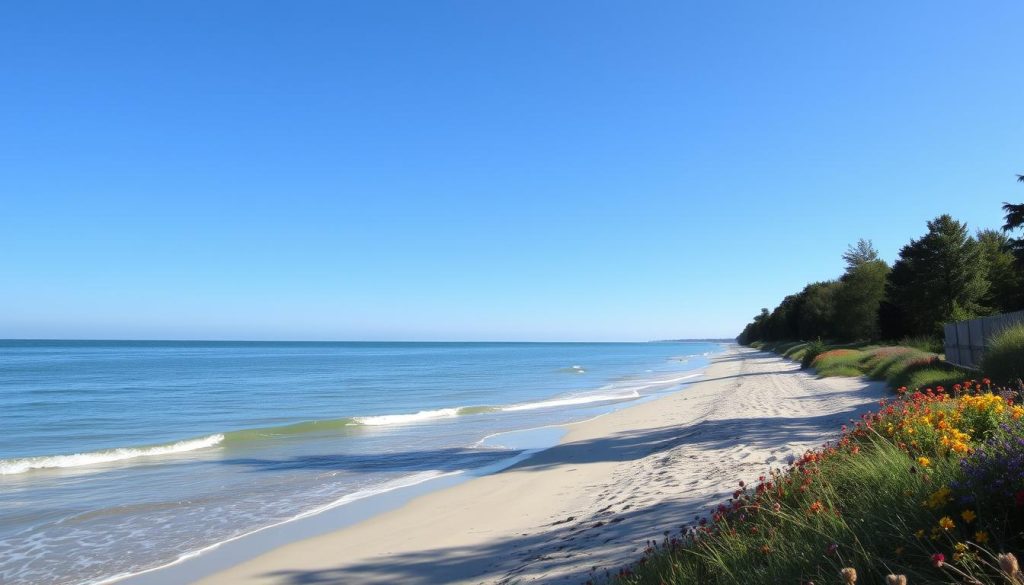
x,y
589,504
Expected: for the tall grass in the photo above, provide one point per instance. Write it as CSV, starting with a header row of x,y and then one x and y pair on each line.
x,y
1004,357
907,491
839,362
858,511
899,366
924,343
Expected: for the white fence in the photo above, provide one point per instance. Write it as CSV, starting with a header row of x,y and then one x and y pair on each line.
x,y
966,340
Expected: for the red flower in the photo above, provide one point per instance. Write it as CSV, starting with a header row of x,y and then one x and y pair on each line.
x,y
1019,498
938,559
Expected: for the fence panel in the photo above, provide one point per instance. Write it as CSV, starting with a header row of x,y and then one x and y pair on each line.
x,y
966,340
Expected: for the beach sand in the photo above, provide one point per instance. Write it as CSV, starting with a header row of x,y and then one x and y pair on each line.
x,y
589,504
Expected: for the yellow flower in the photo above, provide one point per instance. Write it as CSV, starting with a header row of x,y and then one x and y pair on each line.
x,y
939,498
919,533
947,523
981,537
924,461
968,516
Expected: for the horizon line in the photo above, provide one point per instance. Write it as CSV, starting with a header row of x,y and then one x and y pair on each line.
x,y
182,340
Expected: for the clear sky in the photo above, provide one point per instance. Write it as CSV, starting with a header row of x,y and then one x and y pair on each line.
x,y
521,170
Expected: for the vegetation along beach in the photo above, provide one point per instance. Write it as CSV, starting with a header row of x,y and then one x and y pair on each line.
x,y
414,293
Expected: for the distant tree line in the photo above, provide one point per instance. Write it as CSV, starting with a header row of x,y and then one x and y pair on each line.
x,y
945,275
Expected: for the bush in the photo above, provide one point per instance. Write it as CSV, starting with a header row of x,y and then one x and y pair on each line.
x,y
1004,357
811,351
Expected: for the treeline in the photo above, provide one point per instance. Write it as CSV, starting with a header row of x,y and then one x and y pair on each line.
x,y
946,275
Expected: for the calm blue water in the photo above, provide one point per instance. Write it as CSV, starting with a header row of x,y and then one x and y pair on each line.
x,y
122,456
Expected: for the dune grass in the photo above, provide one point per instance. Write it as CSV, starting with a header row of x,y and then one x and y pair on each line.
x,y
1004,358
903,492
900,366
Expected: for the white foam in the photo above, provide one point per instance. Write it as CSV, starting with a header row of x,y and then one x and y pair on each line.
x,y
397,419
16,466
571,400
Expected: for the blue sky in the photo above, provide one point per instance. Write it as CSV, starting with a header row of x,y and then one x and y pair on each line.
x,y
480,170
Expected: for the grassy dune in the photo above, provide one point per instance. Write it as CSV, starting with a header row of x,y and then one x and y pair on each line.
x,y
901,366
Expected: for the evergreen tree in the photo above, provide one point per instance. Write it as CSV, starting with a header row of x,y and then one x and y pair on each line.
x,y
938,278
860,292
1006,285
1014,220
861,252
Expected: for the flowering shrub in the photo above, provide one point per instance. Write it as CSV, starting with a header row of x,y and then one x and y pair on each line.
x,y
992,478
931,483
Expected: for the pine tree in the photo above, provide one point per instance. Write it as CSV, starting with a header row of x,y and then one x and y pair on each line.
x,y
938,277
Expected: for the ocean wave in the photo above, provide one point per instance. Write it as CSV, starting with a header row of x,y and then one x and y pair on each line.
x,y
571,400
327,426
16,466
395,419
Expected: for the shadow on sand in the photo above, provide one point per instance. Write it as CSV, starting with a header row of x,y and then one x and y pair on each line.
x,y
564,545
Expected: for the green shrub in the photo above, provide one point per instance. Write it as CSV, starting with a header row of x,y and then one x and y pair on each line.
x,y
1004,357
811,351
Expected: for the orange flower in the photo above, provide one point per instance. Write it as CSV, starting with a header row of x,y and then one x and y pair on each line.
x,y
816,507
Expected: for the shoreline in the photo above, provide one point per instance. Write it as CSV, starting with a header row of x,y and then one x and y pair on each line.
x,y
592,500
362,506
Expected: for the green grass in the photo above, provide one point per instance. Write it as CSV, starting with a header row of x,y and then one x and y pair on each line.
x,y
899,366
1004,357
871,508
934,377
924,343
840,372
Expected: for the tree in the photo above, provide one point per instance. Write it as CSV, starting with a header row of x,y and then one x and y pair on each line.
x,y
754,331
1014,220
861,252
1006,284
818,311
937,277
860,292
